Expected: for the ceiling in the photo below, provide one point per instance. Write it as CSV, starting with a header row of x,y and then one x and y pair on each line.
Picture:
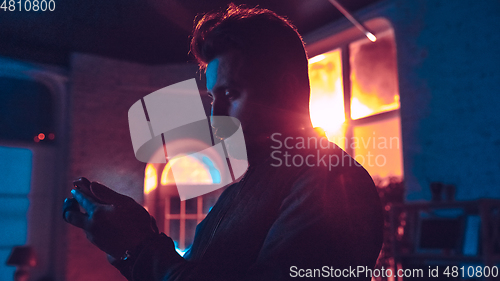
x,y
144,31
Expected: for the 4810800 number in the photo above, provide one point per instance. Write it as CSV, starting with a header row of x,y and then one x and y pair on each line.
x,y
471,271
28,5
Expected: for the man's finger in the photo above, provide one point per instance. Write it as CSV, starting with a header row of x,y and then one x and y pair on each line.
x,y
73,215
106,194
83,185
87,203
70,204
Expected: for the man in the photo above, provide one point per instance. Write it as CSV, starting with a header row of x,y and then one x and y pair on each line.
x,y
281,220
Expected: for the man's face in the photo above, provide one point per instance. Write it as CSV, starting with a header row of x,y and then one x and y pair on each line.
x,y
237,92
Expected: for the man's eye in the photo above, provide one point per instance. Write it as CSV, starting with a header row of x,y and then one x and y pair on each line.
x,y
231,94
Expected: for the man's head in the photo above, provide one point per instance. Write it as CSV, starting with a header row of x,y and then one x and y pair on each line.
x,y
256,68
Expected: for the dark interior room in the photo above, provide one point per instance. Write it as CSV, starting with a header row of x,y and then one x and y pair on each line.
x,y
408,89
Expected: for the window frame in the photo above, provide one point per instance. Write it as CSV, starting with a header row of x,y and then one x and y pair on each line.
x,y
330,39
182,216
157,201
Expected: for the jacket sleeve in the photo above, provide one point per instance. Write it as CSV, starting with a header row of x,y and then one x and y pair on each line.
x,y
323,221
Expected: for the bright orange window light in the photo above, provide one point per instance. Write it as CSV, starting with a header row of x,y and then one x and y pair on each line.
x,y
377,146
374,77
193,171
150,179
375,141
326,103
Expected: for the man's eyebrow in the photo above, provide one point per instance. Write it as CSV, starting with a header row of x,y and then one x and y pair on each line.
x,y
224,85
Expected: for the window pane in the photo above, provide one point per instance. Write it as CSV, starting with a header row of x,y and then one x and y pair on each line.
x,y
326,103
15,170
175,205
191,206
14,231
377,146
374,78
190,230
174,230
208,202
25,110
6,271
150,179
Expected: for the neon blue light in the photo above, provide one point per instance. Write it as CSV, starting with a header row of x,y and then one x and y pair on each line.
x,y
216,178
15,170
179,250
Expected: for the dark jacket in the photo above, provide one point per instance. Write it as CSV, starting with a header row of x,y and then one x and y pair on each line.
x,y
277,223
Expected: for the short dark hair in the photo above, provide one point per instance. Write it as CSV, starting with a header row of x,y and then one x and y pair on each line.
x,y
261,35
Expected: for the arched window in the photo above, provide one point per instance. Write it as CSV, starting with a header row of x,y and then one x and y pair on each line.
x,y
176,218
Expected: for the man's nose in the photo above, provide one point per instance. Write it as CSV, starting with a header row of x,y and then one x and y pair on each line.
x,y
219,108
224,126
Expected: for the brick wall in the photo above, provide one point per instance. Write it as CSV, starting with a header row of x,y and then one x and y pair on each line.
x,y
448,75
102,90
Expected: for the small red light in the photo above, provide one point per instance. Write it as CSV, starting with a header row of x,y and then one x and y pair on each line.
x,y
36,139
41,136
52,136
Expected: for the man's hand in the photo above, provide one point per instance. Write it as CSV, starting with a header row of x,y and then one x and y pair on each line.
x,y
115,223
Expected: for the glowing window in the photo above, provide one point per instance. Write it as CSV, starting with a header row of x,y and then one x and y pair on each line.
x,y
374,77
150,179
176,218
194,171
326,102
355,99
16,170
